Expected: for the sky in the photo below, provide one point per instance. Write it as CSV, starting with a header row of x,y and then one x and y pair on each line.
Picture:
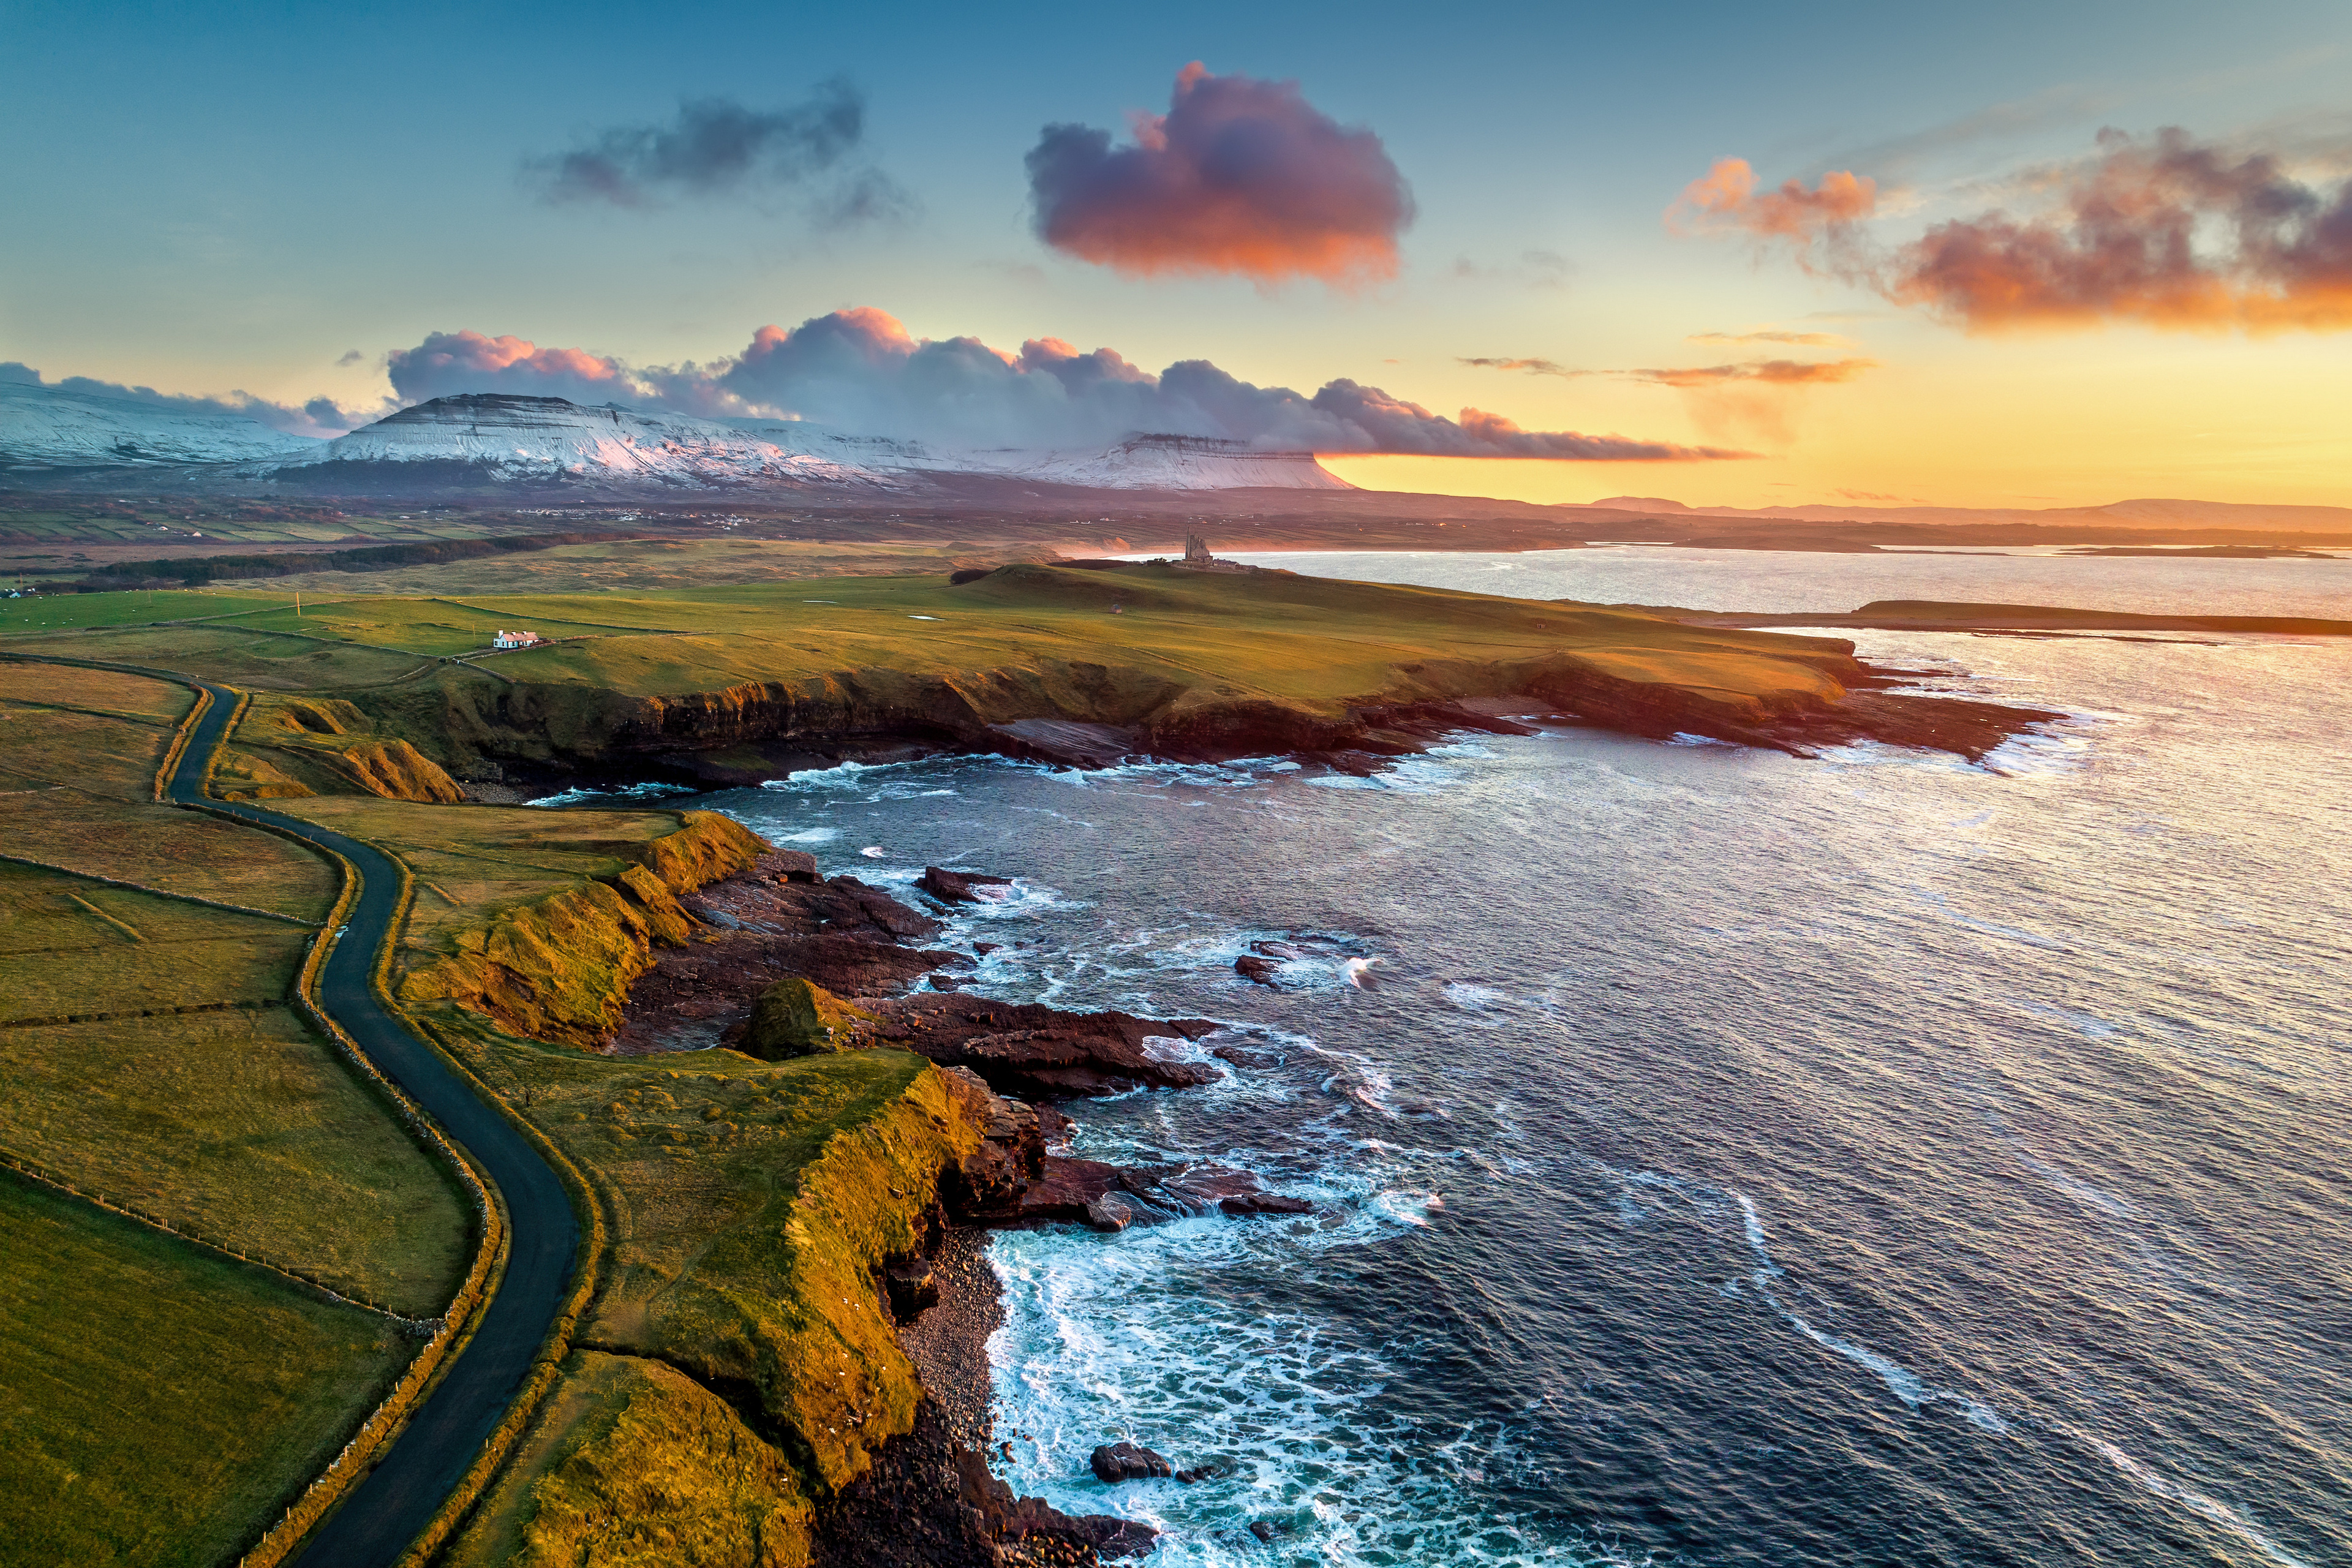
x,y
2008,255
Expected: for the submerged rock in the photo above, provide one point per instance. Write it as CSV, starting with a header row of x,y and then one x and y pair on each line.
x,y
1114,1462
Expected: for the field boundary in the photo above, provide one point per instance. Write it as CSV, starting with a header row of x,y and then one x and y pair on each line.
x,y
33,1171
160,892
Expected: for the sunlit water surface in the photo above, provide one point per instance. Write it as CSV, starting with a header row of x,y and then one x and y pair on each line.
x,y
1741,1159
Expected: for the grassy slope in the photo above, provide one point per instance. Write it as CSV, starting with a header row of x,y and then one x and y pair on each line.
x,y
634,1464
749,1203
540,919
158,1405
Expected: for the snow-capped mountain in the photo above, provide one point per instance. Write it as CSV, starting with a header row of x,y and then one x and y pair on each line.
x,y
523,438
510,437
48,427
499,438
1174,463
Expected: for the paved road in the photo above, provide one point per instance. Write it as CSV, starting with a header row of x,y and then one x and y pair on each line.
x,y
402,1493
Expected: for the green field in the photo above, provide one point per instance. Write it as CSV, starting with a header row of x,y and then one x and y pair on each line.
x,y
160,1406
1288,637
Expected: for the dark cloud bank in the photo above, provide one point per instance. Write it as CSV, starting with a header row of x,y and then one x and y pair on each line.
x,y
717,147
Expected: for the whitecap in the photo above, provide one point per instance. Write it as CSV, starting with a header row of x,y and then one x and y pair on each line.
x,y
580,794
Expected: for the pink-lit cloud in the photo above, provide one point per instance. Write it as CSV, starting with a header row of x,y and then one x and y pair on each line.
x,y
1240,176
1726,199
862,370
2162,231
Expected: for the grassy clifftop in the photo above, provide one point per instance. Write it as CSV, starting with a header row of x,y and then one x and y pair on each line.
x,y
740,1359
1190,661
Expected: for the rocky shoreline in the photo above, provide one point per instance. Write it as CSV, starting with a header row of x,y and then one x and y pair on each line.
x,y
779,929
745,738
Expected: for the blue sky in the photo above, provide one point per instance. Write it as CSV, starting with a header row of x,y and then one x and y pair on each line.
x,y
202,198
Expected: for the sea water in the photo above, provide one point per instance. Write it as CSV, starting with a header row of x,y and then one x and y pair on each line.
x,y
1734,1158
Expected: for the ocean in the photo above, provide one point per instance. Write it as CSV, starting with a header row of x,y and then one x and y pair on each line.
x,y
1734,1158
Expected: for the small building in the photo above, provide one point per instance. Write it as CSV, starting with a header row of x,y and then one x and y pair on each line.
x,y
506,639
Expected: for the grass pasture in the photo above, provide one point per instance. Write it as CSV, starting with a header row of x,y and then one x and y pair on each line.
x,y
159,1405
752,1201
189,1088
640,565
78,752
1292,637
235,652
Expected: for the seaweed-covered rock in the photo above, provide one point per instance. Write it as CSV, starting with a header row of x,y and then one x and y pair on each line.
x,y
795,1018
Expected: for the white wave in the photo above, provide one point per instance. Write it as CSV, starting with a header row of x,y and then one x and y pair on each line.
x,y
1900,1381
841,775
1109,1337
806,835
2107,1203
580,794
1405,775
2211,1510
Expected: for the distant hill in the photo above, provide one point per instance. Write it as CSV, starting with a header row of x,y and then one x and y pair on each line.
x,y
2197,514
489,440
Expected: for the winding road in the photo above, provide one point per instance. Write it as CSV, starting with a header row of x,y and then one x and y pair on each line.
x,y
388,1508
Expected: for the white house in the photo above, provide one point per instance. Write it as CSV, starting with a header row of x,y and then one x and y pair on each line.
x,y
516,639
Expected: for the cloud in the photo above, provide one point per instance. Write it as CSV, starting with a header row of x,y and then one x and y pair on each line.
x,y
1532,366
1240,176
319,417
447,362
1727,201
1751,400
862,370
1794,339
1770,372
352,356
2163,231
1534,270
1877,496
1764,372
717,146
